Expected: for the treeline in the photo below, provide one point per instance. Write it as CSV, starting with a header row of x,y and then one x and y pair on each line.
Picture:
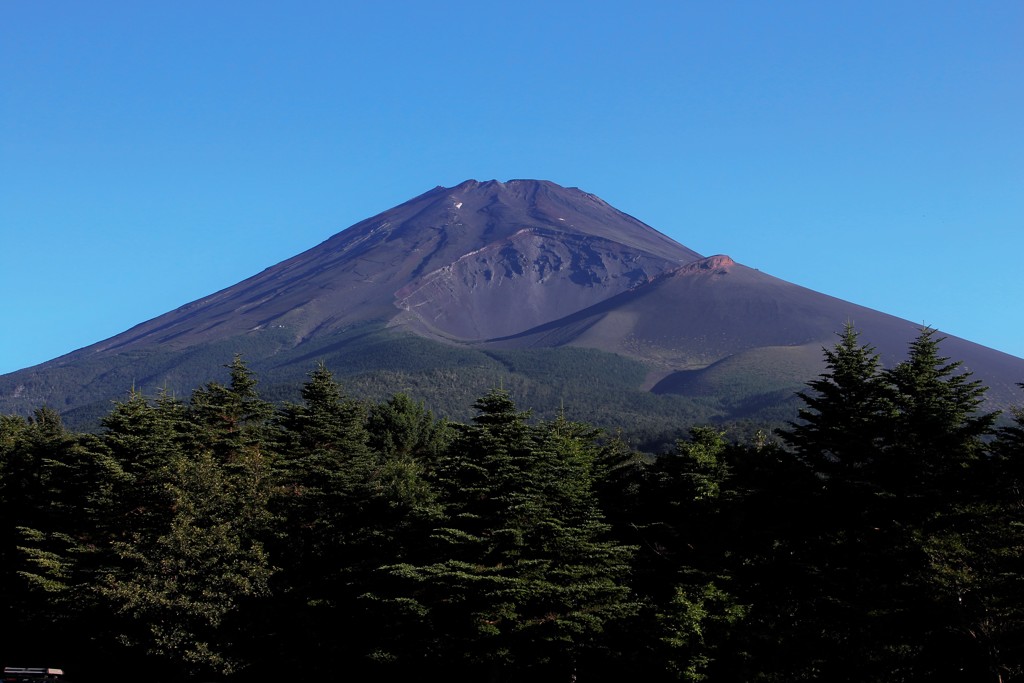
x,y
879,538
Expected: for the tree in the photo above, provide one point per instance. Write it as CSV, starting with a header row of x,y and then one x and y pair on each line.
x,y
841,425
975,551
937,431
321,498
683,568
143,439
401,428
57,485
189,523
522,575
896,452
183,589
230,419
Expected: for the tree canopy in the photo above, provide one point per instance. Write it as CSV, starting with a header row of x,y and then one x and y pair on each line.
x,y
878,537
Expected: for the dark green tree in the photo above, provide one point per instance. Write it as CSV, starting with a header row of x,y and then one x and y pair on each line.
x,y
996,607
189,524
938,430
846,409
683,572
322,492
183,589
896,453
407,444
55,487
401,428
230,419
523,576
143,439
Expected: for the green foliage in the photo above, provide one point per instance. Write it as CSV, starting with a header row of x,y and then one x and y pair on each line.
x,y
684,622
521,575
181,585
841,424
900,454
230,536
938,430
375,362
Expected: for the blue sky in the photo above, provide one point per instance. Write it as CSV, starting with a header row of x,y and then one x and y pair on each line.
x,y
155,152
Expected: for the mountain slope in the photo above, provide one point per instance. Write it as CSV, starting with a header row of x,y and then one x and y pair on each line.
x,y
462,282
470,241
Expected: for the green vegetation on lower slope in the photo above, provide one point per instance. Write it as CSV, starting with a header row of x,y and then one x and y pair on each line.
x,y
374,362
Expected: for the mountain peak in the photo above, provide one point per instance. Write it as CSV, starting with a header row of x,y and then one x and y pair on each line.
x,y
520,263
478,260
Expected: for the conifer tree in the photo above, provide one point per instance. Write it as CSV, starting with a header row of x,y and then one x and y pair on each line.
x,y
325,462
143,439
407,445
996,606
841,422
683,573
401,428
231,420
322,492
59,483
897,451
189,555
183,589
523,576
938,430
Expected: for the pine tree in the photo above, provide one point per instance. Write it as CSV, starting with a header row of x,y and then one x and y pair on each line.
x,y
974,545
408,443
56,484
683,572
896,452
401,428
997,606
143,439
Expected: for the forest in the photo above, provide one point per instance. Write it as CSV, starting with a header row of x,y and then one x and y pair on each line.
x,y
878,537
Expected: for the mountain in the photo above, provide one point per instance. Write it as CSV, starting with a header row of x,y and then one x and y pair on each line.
x,y
547,289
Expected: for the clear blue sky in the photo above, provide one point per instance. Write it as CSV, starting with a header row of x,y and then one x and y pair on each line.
x,y
155,152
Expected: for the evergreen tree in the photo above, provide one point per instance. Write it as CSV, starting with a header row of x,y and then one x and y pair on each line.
x,y
408,443
56,484
841,425
683,568
231,419
143,439
896,452
974,545
401,428
996,606
937,431
523,576
322,493
325,459
184,589
189,524
935,454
